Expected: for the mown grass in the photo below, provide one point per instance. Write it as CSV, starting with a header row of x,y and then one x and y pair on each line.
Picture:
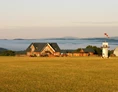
x,y
66,74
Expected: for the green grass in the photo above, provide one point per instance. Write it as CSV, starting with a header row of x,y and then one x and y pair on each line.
x,y
67,74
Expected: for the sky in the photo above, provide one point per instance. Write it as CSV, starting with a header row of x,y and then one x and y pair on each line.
x,y
58,18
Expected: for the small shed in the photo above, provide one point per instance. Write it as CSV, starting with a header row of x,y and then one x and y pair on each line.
x,y
116,51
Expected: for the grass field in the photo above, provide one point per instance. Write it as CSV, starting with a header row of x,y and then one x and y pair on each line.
x,y
67,74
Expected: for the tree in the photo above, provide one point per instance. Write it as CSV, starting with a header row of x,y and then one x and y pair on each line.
x,y
78,50
98,51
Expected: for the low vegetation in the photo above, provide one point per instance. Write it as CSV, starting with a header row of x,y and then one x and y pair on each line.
x,y
7,53
67,74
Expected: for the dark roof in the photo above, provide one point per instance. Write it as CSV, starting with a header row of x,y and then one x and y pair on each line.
x,y
89,50
67,51
86,50
55,46
40,46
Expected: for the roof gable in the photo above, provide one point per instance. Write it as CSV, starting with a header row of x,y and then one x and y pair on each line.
x,y
55,47
40,46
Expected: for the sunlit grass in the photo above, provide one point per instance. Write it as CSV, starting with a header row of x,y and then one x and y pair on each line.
x,y
66,74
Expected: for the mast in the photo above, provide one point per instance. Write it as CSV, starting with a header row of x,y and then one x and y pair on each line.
x,y
105,47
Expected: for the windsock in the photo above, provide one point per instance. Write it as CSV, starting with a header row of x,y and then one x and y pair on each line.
x,y
106,35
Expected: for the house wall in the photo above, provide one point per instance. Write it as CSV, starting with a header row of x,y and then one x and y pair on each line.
x,y
47,48
78,54
116,52
91,53
57,54
70,54
28,53
33,54
32,48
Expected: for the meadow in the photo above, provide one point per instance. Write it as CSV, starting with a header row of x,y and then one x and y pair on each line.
x,y
58,74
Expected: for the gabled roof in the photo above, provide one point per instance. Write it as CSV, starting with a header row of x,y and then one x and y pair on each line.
x,y
40,46
67,51
86,50
55,46
89,50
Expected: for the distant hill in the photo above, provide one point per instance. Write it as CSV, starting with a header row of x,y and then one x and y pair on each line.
x,y
3,49
73,38
63,38
18,39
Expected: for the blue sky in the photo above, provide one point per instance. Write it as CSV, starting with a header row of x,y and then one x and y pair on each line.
x,y
76,18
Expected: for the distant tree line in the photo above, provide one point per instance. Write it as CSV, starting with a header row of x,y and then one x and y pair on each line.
x,y
7,53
